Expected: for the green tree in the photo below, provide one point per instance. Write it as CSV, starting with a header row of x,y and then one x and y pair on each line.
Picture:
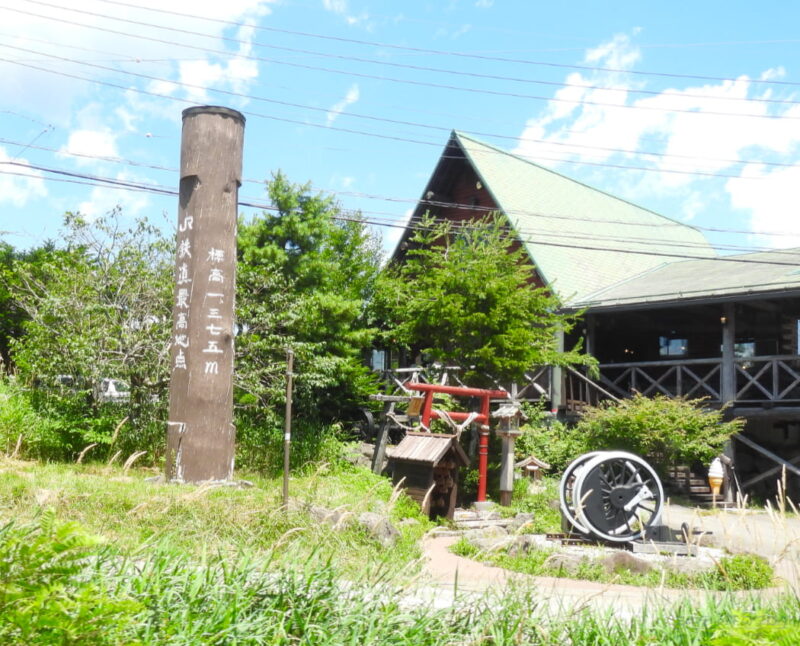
x,y
305,272
99,308
12,316
465,294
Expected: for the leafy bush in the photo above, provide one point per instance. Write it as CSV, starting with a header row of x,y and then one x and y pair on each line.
x,y
540,500
45,595
756,630
549,440
260,445
38,435
462,547
741,572
664,430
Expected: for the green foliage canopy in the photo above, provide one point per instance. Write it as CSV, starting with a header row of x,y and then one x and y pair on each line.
x,y
465,294
305,272
100,307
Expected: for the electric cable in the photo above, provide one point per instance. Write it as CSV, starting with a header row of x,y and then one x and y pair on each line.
x,y
363,75
422,50
485,210
402,122
366,133
82,178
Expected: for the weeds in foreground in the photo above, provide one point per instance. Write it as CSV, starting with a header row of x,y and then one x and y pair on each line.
x,y
159,596
130,512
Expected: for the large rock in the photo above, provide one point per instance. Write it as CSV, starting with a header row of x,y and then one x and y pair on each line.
x,y
524,543
488,539
379,528
360,454
687,565
336,518
492,531
520,522
625,561
565,561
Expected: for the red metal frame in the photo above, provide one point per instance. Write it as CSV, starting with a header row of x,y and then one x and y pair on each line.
x,y
482,418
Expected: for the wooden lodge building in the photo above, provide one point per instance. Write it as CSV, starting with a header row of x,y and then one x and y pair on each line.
x,y
663,312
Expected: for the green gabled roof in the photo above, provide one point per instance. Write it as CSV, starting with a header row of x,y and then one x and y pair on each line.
x,y
766,272
580,239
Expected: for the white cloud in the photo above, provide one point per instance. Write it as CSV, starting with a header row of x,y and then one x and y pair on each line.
x,y
342,8
701,129
349,99
54,31
771,198
90,143
484,4
618,53
18,182
335,6
199,73
391,236
103,199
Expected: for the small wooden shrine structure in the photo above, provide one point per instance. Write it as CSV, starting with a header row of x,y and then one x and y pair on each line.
x,y
427,466
532,467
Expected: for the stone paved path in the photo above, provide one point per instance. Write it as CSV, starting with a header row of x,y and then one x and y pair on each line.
x,y
446,576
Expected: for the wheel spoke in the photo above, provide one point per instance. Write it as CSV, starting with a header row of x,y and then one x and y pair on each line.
x,y
601,484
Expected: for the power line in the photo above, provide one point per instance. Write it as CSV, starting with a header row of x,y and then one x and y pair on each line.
x,y
92,180
485,210
155,188
105,158
402,122
348,130
422,50
363,75
419,68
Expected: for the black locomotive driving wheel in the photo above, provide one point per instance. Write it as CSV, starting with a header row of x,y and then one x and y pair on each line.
x,y
566,492
620,496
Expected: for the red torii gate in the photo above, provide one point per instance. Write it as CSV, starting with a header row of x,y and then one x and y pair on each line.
x,y
427,414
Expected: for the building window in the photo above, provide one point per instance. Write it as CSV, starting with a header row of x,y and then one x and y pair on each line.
x,y
672,347
378,360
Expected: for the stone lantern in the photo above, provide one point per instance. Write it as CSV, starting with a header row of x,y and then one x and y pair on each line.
x,y
508,416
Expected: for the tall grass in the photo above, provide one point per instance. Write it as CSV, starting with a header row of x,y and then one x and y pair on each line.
x,y
130,512
67,588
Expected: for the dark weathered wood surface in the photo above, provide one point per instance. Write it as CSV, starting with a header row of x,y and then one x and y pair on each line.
x,y
200,435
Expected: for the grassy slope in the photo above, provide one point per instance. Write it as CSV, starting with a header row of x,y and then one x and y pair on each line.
x,y
129,512
208,566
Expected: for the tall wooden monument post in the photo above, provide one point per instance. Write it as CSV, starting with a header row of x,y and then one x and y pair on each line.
x,y
200,433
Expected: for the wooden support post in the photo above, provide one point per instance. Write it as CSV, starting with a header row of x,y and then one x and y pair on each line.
x,y
200,432
729,484
591,326
557,402
287,425
383,436
728,373
507,470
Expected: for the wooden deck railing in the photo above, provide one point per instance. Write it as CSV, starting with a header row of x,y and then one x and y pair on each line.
x,y
535,387
768,379
773,378
688,377
758,380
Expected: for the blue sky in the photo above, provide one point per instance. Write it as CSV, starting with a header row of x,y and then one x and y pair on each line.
x,y
690,109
